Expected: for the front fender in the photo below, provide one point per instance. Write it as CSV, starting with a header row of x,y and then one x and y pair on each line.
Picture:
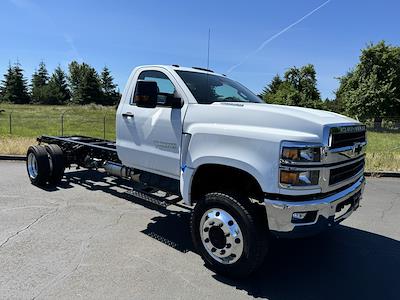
x,y
257,157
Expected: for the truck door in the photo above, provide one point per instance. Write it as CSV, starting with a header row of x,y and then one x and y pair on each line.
x,y
150,138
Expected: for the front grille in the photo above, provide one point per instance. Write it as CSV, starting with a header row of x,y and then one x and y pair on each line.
x,y
347,136
342,173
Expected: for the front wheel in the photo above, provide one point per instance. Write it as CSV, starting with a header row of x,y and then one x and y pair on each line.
x,y
229,234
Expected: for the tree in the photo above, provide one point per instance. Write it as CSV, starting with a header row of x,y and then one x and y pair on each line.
x,y
372,88
5,85
108,88
84,84
40,78
298,88
74,79
14,86
334,105
304,80
58,92
272,87
285,94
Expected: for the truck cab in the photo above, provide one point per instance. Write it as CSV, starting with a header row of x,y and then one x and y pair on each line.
x,y
303,166
216,122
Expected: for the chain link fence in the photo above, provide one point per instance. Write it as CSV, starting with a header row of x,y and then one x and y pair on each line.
x,y
23,124
383,150
390,124
19,127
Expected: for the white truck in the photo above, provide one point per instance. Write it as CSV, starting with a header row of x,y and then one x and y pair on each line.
x,y
250,169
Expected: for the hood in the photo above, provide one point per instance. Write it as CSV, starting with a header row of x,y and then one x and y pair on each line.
x,y
290,121
321,117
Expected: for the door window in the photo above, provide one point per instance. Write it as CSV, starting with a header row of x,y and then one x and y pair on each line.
x,y
165,86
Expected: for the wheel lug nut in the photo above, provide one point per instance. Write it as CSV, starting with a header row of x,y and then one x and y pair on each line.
x,y
217,213
207,240
230,223
228,234
212,223
213,250
222,252
206,229
220,225
228,246
237,240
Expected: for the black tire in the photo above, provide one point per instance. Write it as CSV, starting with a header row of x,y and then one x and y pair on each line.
x,y
38,165
57,163
252,225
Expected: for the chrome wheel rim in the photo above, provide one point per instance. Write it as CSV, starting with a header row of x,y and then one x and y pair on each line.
x,y
32,166
221,236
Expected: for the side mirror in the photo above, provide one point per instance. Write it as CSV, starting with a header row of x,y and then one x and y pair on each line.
x,y
146,94
174,102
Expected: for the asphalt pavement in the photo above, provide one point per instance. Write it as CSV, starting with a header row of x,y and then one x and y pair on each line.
x,y
91,238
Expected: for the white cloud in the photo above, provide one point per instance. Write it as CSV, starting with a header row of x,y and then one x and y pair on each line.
x,y
74,50
267,41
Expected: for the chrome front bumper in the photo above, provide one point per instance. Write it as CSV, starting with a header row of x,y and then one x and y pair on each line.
x,y
324,212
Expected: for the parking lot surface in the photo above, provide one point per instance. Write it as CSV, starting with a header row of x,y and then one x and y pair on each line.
x,y
90,238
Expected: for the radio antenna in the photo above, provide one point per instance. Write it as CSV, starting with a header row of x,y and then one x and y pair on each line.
x,y
208,49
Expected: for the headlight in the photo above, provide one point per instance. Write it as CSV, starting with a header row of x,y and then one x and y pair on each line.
x,y
301,154
299,178
304,157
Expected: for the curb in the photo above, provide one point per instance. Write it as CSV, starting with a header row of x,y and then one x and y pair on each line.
x,y
382,174
13,157
366,173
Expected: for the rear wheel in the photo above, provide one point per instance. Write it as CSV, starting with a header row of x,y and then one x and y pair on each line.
x,y
57,163
38,165
229,234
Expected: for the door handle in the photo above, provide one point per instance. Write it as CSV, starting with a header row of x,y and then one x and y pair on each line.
x,y
128,115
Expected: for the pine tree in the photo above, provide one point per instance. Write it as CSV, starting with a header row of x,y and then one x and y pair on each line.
x,y
58,92
91,90
39,90
272,87
21,86
5,85
275,83
108,88
74,79
14,86
84,83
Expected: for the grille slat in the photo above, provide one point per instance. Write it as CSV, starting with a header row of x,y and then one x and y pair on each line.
x,y
342,173
347,139
343,137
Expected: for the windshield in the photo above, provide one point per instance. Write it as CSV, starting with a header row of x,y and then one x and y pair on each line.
x,y
207,88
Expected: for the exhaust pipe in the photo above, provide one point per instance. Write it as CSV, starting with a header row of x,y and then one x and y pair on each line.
x,y
117,169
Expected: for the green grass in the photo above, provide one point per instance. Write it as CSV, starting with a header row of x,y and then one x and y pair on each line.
x,y
35,120
30,121
383,151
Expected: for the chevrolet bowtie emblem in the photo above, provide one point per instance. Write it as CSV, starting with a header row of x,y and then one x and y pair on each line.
x,y
356,149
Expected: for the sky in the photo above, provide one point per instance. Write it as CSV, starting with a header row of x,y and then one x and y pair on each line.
x,y
250,40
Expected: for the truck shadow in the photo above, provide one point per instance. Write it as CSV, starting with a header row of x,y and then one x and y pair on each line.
x,y
171,228
344,263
